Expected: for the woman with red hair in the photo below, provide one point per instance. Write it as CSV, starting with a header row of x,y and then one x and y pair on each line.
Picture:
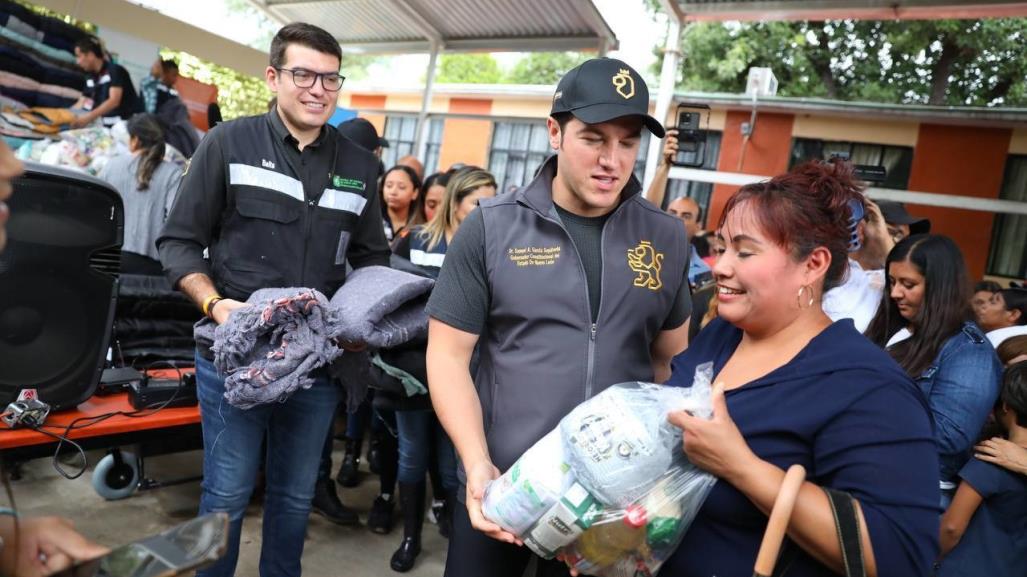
x,y
793,387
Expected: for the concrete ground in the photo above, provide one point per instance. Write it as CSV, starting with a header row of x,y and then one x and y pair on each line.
x,y
330,550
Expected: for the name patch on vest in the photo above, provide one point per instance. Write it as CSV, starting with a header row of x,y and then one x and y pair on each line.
x,y
534,255
351,183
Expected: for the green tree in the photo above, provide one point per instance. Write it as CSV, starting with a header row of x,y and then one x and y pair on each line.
x,y
544,67
942,62
477,68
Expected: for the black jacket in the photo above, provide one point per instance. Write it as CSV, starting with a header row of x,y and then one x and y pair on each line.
x,y
273,216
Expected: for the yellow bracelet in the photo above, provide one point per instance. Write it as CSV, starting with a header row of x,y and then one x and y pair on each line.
x,y
207,302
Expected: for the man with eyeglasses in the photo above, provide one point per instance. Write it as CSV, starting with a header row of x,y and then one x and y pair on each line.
x,y
278,200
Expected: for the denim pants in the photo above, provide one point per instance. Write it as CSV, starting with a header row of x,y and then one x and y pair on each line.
x,y
232,441
418,431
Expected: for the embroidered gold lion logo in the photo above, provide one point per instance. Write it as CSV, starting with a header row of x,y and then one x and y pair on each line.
x,y
644,260
624,83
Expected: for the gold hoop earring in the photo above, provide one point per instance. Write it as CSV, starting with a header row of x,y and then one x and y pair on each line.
x,y
798,297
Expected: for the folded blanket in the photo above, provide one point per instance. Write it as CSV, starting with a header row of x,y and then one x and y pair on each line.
x,y
382,307
269,349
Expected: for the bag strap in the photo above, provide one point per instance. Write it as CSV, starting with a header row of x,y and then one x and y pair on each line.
x,y
847,525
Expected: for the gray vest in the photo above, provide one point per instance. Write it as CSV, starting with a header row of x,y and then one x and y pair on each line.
x,y
541,355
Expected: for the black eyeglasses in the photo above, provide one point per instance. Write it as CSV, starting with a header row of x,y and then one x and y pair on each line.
x,y
304,78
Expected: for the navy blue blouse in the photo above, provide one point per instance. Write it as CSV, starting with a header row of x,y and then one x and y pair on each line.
x,y
847,412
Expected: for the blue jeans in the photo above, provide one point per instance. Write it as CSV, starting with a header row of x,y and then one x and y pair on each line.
x,y
418,430
232,439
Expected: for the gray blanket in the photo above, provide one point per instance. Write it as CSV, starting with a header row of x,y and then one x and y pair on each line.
x,y
268,350
382,307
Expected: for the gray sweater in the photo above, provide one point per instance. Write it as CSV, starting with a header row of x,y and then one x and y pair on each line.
x,y
145,210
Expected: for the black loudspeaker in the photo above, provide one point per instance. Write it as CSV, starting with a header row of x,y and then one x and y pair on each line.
x,y
58,284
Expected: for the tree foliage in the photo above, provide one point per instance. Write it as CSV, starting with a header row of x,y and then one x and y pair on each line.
x,y
943,62
468,69
544,67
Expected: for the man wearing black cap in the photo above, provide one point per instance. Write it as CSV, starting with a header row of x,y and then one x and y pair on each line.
x,y
900,223
567,286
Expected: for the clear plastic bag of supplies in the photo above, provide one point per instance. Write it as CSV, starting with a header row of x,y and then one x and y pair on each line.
x,y
610,488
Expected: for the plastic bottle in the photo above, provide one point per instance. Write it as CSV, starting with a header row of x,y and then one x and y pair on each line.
x,y
607,542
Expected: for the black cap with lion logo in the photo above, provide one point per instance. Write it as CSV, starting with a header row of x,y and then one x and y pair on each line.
x,y
602,89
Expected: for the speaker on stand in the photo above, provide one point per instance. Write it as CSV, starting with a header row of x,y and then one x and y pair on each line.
x,y
58,284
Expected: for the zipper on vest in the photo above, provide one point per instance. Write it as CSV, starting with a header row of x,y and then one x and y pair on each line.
x,y
593,326
599,309
591,362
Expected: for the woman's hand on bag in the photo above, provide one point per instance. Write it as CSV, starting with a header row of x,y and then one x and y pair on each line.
x,y
714,445
478,476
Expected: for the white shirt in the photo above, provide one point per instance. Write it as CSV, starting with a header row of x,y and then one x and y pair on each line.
x,y
857,298
998,335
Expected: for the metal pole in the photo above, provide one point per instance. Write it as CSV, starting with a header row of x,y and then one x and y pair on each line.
x,y
421,139
668,76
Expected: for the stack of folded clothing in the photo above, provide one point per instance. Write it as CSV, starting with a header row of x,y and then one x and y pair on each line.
x,y
37,59
269,349
152,321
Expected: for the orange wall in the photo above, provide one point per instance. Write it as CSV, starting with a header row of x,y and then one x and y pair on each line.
x,y
367,101
964,161
466,140
470,106
766,153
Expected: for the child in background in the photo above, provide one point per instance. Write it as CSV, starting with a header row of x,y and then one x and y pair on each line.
x,y
984,530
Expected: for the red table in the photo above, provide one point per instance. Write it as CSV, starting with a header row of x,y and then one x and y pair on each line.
x,y
154,432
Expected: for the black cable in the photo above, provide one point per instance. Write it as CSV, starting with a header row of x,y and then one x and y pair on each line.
x,y
74,425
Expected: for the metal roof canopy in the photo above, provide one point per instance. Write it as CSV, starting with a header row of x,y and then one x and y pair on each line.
x,y
681,11
409,26
433,26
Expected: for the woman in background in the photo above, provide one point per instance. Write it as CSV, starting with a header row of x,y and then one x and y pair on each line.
x,y
434,189
925,322
147,184
401,207
421,437
794,387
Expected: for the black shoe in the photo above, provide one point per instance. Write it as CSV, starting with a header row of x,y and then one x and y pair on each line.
x,y
404,557
349,471
411,500
326,502
379,520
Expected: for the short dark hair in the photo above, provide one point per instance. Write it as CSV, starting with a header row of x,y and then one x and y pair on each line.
x,y
90,44
1014,391
562,118
987,286
305,35
169,66
1015,299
